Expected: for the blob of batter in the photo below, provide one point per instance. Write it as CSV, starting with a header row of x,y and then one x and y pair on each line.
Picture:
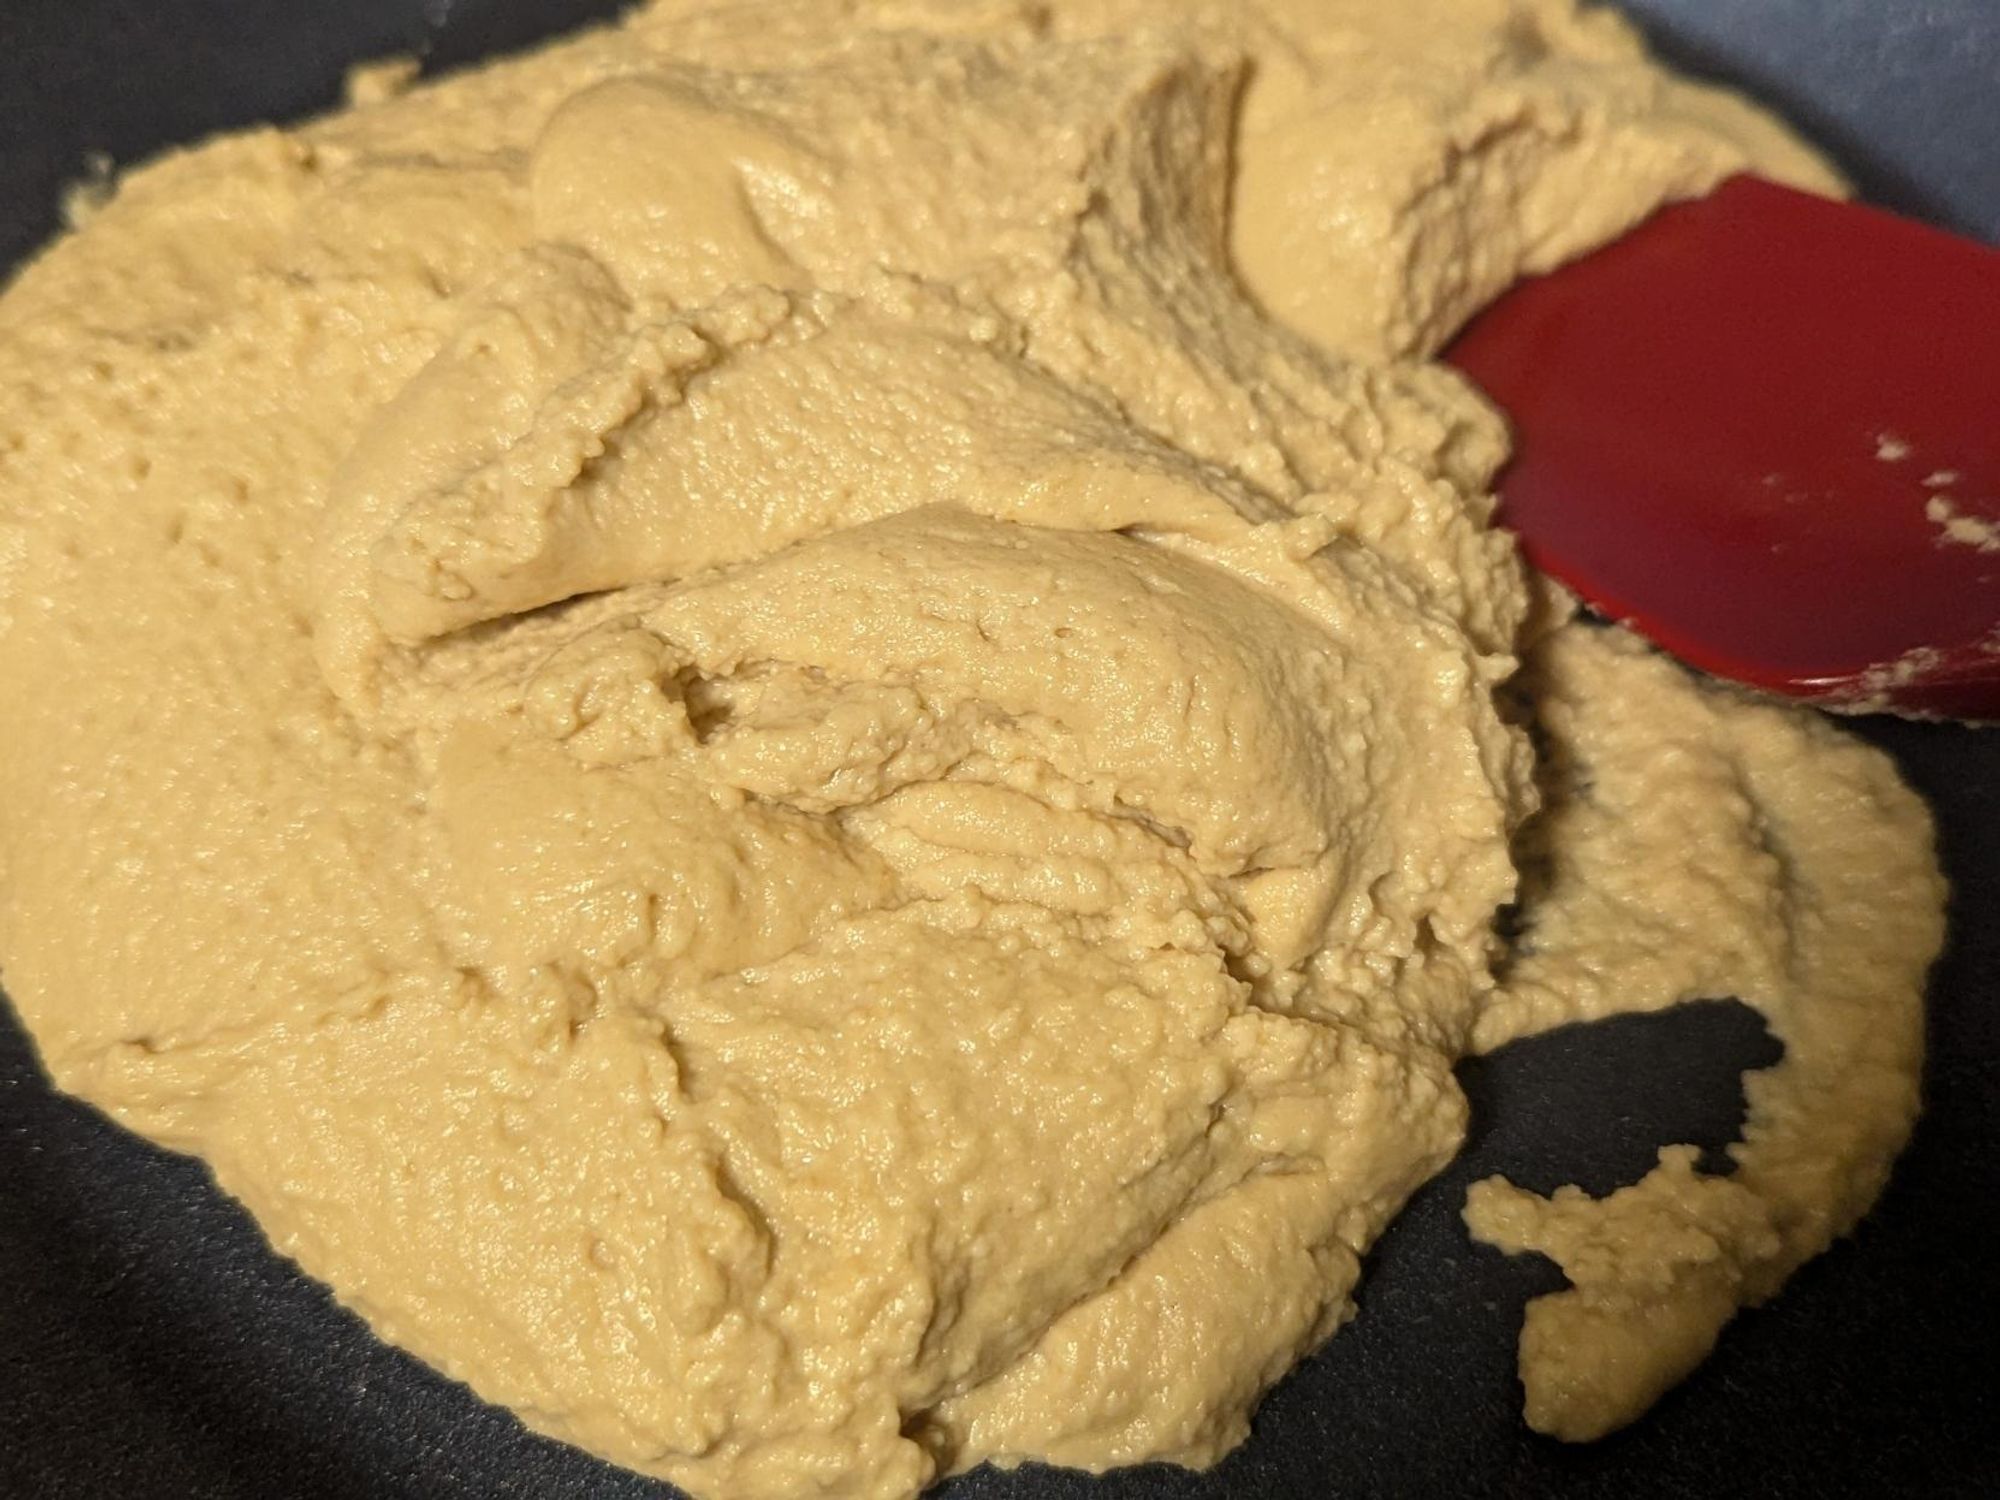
x,y
796,732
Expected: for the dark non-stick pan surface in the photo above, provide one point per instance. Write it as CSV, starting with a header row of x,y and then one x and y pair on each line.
x,y
152,1346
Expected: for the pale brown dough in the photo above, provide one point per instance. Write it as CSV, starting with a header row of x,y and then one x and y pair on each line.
x,y
784,727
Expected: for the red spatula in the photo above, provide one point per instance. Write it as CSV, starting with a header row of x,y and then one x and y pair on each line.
x,y
1764,430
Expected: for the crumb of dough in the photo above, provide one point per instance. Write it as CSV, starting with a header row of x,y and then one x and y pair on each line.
x,y
1957,529
90,192
797,732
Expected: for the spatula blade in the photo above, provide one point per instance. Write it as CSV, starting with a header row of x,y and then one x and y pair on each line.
x,y
1764,429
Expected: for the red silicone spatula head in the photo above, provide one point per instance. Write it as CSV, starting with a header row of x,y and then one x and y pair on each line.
x,y
1764,429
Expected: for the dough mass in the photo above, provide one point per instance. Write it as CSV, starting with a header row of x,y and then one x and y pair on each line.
x,y
795,730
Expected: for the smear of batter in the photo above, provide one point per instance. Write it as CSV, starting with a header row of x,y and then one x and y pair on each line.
x,y
796,730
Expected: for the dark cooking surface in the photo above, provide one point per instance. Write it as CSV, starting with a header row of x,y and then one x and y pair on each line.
x,y
150,1346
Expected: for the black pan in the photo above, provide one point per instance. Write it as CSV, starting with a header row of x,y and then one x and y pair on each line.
x,y
151,1345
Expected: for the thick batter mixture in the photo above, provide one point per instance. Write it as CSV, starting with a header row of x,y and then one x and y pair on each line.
x,y
795,730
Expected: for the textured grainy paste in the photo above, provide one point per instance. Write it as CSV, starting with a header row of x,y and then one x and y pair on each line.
x,y
796,732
